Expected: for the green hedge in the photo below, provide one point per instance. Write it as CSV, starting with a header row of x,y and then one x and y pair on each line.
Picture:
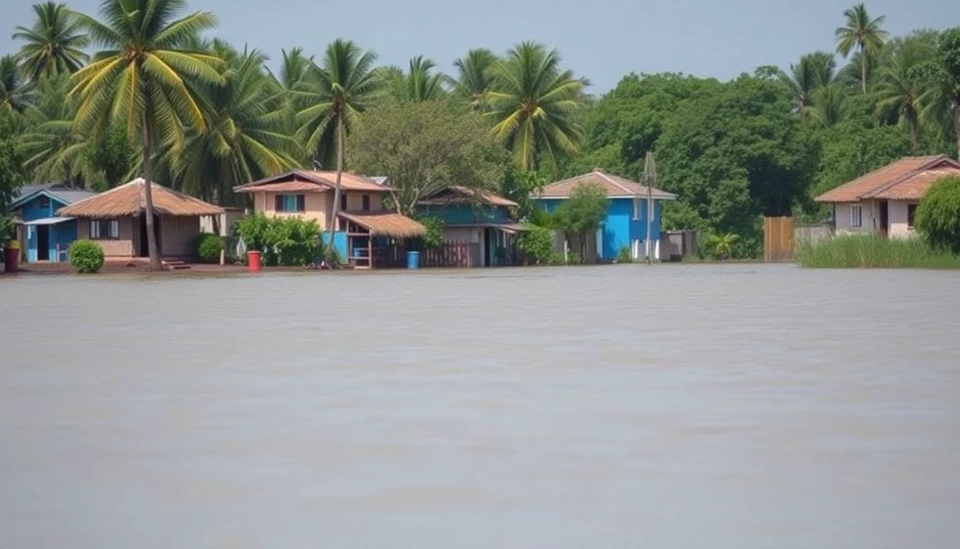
x,y
86,256
208,247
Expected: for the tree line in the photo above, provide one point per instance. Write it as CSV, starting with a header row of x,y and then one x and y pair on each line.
x,y
140,88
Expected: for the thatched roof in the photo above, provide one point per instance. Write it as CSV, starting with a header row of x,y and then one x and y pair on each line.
x,y
386,224
313,181
128,200
456,194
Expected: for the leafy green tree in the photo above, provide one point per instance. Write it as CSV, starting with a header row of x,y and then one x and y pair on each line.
x,y
814,71
533,104
143,79
425,147
111,160
245,138
473,81
949,50
334,95
864,33
419,83
11,172
520,186
583,213
938,215
54,44
15,93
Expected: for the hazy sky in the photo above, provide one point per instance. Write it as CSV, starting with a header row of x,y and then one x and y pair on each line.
x,y
600,39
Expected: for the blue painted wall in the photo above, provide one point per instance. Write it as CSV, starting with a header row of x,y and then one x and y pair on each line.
x,y
339,243
61,234
619,226
458,214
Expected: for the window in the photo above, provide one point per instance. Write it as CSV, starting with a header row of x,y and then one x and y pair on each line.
x,y
343,202
290,203
44,202
104,229
366,202
911,214
636,208
856,216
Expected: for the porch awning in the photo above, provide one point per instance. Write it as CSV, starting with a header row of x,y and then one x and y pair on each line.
x,y
49,221
386,224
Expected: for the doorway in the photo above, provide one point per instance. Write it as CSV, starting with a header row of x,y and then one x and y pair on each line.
x,y
488,250
884,217
144,246
43,242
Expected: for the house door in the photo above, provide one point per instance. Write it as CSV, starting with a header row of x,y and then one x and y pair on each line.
x,y
144,246
884,217
488,250
43,242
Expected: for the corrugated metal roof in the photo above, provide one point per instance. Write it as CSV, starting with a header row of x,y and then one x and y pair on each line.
x,y
49,221
71,196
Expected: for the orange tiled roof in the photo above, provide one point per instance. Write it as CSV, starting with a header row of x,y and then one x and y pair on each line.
x,y
616,187
316,181
906,179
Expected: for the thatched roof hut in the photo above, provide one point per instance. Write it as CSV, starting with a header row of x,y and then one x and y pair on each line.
x,y
128,201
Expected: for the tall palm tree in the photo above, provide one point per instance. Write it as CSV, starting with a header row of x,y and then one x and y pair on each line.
x,y
863,33
15,93
420,83
141,79
293,69
245,140
54,44
54,151
900,87
828,104
814,71
334,94
473,80
533,104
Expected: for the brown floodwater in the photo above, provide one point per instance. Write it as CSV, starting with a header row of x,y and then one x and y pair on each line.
x,y
738,406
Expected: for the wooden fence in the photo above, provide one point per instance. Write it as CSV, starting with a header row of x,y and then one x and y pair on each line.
x,y
456,254
777,238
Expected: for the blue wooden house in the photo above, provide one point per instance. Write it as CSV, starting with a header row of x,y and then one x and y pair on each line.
x,y
483,220
47,235
625,225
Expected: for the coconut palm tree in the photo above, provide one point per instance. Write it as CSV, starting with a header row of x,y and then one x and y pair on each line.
x,y
420,83
814,71
864,34
54,44
828,104
143,79
333,95
473,80
244,141
53,150
15,93
533,104
900,85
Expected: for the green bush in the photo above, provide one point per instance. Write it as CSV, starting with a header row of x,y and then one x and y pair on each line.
x,y
536,244
873,252
434,237
285,241
624,255
208,247
86,256
938,215
719,246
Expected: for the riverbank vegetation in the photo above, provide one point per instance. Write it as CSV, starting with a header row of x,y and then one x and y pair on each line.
x,y
92,101
875,252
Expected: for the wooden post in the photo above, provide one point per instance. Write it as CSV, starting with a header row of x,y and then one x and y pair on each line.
x,y
370,251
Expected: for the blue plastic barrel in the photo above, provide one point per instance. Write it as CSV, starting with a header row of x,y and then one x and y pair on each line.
x,y
359,252
413,260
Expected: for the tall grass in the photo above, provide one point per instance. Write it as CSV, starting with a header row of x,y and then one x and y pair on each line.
x,y
874,252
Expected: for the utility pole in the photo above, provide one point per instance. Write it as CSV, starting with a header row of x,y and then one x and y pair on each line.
x,y
649,178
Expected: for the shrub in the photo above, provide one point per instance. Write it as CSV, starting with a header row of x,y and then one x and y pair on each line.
x,y
285,241
536,244
208,247
434,237
938,215
253,230
873,252
624,255
86,256
720,246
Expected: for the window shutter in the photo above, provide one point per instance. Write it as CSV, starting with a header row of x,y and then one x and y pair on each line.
x,y
94,228
301,203
343,201
366,202
115,229
278,202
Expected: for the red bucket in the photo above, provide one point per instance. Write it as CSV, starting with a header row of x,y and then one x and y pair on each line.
x,y
253,261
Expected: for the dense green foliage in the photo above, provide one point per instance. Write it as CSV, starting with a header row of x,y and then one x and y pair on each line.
x,y
208,247
140,90
874,252
720,246
86,256
284,241
581,215
938,215
434,225
424,146
536,244
12,173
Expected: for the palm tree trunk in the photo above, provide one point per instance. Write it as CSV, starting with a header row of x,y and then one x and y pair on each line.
x,y
914,135
331,223
148,200
863,69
